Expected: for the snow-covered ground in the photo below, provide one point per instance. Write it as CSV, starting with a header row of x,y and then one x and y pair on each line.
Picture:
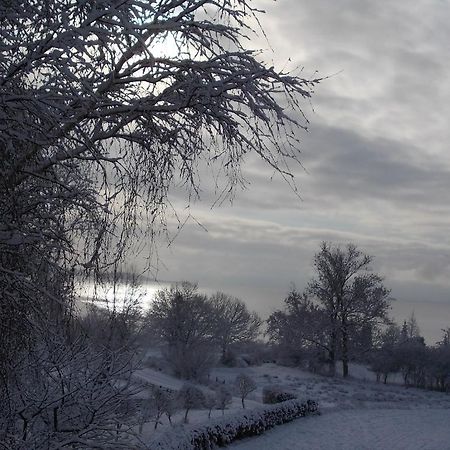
x,y
159,378
359,429
357,392
357,413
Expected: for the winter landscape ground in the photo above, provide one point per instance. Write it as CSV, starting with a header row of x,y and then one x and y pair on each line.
x,y
356,413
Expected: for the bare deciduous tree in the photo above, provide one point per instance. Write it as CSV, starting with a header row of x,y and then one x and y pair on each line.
x,y
190,397
349,293
410,329
245,385
102,106
301,330
223,398
233,321
209,403
161,402
69,395
184,321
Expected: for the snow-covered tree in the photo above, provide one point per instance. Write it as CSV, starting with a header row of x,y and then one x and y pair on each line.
x,y
69,395
244,385
223,398
161,401
233,321
410,328
209,403
350,294
103,105
445,337
183,320
301,330
190,397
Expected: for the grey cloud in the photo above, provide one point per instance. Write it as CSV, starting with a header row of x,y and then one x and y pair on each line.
x,y
349,163
376,158
389,56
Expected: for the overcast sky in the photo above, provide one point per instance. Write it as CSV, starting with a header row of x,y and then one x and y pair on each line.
x,y
376,159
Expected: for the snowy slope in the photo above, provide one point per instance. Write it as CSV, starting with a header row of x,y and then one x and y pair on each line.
x,y
358,413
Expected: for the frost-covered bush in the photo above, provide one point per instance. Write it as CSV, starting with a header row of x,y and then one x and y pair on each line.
x,y
223,398
225,430
275,394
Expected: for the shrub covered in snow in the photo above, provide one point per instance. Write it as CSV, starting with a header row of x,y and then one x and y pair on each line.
x,y
225,430
223,398
276,394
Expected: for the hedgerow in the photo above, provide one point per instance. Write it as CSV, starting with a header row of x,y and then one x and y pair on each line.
x,y
224,430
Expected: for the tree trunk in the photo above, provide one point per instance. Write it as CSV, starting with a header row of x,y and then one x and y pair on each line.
x,y
334,339
332,354
344,349
243,404
224,353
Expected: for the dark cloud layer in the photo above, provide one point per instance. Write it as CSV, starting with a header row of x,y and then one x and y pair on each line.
x,y
376,159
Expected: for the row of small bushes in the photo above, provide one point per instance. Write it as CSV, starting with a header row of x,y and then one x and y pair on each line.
x,y
243,424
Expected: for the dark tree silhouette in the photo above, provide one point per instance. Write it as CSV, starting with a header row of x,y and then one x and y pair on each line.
x,y
350,294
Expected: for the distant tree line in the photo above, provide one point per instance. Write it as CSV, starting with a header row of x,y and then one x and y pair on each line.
x,y
342,315
401,350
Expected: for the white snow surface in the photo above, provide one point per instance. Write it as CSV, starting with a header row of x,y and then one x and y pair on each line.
x,y
390,429
158,378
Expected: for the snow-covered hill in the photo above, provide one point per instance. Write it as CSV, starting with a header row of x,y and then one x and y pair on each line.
x,y
357,413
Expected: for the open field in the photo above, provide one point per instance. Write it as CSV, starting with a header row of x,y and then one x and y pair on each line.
x,y
360,429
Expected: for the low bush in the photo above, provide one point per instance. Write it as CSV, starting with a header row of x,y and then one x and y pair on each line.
x,y
225,430
275,394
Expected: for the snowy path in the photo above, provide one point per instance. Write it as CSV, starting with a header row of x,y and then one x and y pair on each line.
x,y
159,379
386,429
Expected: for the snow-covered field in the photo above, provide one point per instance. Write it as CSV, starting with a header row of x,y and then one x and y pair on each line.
x,y
357,413
359,429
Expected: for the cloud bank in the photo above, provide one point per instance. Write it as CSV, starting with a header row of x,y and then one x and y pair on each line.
x,y
377,169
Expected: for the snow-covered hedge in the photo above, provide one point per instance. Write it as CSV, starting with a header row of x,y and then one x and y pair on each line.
x,y
225,430
275,394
